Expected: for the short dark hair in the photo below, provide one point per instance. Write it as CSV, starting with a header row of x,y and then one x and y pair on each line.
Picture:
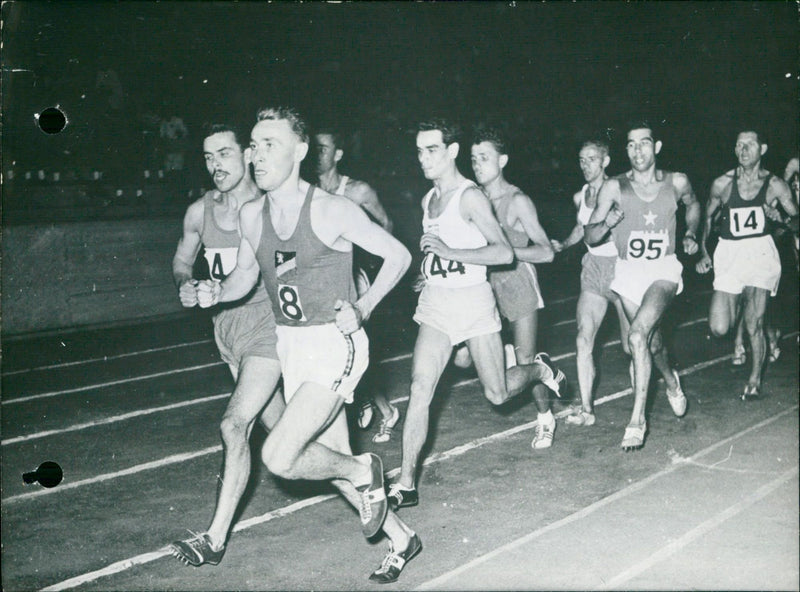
x,y
450,131
634,124
334,133
491,134
209,129
601,145
760,136
296,122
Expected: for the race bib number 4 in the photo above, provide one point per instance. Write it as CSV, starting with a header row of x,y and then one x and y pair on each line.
x,y
647,245
290,305
221,261
434,267
747,221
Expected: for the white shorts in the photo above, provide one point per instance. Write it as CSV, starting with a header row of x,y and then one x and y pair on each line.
x,y
459,313
747,262
633,278
323,355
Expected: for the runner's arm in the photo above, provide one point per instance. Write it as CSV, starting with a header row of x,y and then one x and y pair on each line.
x,y
605,215
475,208
693,212
540,251
366,197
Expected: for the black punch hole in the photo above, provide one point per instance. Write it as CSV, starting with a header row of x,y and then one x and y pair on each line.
x,y
52,120
49,474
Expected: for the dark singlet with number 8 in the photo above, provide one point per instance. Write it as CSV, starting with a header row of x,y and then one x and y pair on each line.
x,y
304,277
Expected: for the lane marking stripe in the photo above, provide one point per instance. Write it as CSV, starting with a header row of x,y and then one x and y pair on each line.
x,y
134,414
590,509
701,529
141,559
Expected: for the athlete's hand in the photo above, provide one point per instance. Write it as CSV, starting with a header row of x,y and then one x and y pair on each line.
x,y
348,317
430,243
704,265
690,245
419,282
558,246
772,213
208,293
188,293
614,217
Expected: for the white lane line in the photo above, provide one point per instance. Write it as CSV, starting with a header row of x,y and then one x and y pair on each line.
x,y
156,464
106,358
110,383
701,529
590,509
113,419
142,412
143,558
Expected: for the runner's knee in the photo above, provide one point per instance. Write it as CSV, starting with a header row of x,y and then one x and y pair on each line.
x,y
495,396
637,339
233,430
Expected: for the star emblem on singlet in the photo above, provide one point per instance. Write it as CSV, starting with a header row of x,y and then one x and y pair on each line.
x,y
650,218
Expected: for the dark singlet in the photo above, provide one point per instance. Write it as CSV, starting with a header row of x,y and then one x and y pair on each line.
x,y
744,218
304,277
647,232
221,247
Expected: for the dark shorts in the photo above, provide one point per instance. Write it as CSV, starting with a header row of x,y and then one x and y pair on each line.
x,y
517,291
597,273
247,330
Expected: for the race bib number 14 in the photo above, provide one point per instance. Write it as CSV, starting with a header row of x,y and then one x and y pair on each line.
x,y
747,221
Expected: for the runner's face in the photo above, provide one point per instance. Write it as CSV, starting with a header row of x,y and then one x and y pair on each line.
x,y
485,162
274,152
592,164
747,149
326,153
224,160
432,154
641,149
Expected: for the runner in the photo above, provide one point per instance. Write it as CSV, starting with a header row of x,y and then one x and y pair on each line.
x,y
596,275
516,286
330,151
638,208
244,331
301,238
747,267
461,237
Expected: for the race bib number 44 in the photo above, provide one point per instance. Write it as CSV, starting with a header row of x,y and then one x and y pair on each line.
x,y
434,267
647,245
747,221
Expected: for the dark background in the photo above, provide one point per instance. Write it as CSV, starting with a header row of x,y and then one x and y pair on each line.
x,y
553,74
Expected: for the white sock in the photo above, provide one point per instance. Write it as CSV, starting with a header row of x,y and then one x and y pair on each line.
x,y
545,418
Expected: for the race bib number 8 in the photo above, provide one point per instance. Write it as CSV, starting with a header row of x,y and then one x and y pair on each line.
x,y
647,245
434,267
747,221
290,304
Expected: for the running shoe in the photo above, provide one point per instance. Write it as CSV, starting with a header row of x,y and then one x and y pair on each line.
x,y
197,550
739,355
543,437
581,418
633,439
385,428
365,414
374,505
394,562
751,393
554,378
676,398
400,497
774,352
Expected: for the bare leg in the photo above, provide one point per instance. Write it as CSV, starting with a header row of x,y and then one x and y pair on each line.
x,y
644,320
590,312
755,305
254,390
431,353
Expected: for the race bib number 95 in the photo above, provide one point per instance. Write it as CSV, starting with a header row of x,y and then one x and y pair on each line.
x,y
747,221
434,267
647,245
290,305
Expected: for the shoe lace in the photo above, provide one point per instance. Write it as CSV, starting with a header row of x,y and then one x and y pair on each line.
x,y
384,429
389,561
539,433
